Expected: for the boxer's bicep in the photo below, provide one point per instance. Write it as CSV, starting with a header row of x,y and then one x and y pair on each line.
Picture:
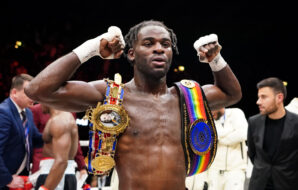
x,y
76,96
215,96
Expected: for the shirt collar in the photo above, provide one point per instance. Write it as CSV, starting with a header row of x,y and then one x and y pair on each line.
x,y
18,108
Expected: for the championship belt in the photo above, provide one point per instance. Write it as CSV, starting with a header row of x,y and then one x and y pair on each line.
x,y
107,121
199,137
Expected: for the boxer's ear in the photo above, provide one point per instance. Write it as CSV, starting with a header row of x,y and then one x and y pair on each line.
x,y
131,55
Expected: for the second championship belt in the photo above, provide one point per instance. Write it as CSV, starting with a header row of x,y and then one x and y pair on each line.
x,y
107,121
199,136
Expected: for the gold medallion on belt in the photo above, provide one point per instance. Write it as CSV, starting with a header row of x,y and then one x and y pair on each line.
x,y
188,83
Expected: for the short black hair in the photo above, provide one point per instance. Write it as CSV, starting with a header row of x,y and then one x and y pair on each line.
x,y
275,83
18,81
132,36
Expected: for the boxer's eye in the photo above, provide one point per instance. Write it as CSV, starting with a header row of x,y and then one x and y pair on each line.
x,y
147,43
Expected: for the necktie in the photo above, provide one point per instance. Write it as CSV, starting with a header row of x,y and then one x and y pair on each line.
x,y
23,113
27,146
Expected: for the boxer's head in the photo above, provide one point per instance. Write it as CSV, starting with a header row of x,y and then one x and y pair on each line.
x,y
132,36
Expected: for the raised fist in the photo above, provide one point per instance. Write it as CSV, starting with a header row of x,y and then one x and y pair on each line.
x,y
207,47
111,44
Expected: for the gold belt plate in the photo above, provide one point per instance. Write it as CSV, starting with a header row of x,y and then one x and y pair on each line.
x,y
110,118
103,163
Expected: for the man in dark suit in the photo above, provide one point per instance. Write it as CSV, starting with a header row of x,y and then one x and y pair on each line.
x,y
18,135
273,140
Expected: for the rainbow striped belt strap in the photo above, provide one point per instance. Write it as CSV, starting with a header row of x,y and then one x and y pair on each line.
x,y
199,137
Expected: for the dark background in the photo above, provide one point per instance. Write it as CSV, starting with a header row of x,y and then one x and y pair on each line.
x,y
258,38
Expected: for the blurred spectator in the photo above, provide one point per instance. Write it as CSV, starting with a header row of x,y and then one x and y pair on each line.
x,y
227,171
293,105
57,168
197,182
273,140
18,135
40,120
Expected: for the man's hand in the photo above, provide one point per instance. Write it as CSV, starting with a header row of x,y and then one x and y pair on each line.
x,y
208,50
207,47
112,43
107,48
17,182
82,173
109,45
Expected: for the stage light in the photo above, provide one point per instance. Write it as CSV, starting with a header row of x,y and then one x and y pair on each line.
x,y
285,83
181,68
18,43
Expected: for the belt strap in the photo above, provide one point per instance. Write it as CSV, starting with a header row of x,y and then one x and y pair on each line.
x,y
199,137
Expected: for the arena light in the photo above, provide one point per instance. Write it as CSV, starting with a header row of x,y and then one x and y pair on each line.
x,y
285,83
181,68
18,43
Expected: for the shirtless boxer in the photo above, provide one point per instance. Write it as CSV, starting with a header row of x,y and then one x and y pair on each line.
x,y
60,146
149,154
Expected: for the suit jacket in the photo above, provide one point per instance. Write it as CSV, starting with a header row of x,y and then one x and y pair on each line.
x,y
283,168
12,140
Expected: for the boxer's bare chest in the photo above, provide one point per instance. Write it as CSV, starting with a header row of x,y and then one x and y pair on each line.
x,y
153,115
151,145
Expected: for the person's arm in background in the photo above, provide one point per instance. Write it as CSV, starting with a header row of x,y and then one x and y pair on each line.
x,y
79,158
37,152
239,132
250,143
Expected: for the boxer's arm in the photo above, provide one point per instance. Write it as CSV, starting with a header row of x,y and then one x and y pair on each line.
x,y
61,138
52,86
226,89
